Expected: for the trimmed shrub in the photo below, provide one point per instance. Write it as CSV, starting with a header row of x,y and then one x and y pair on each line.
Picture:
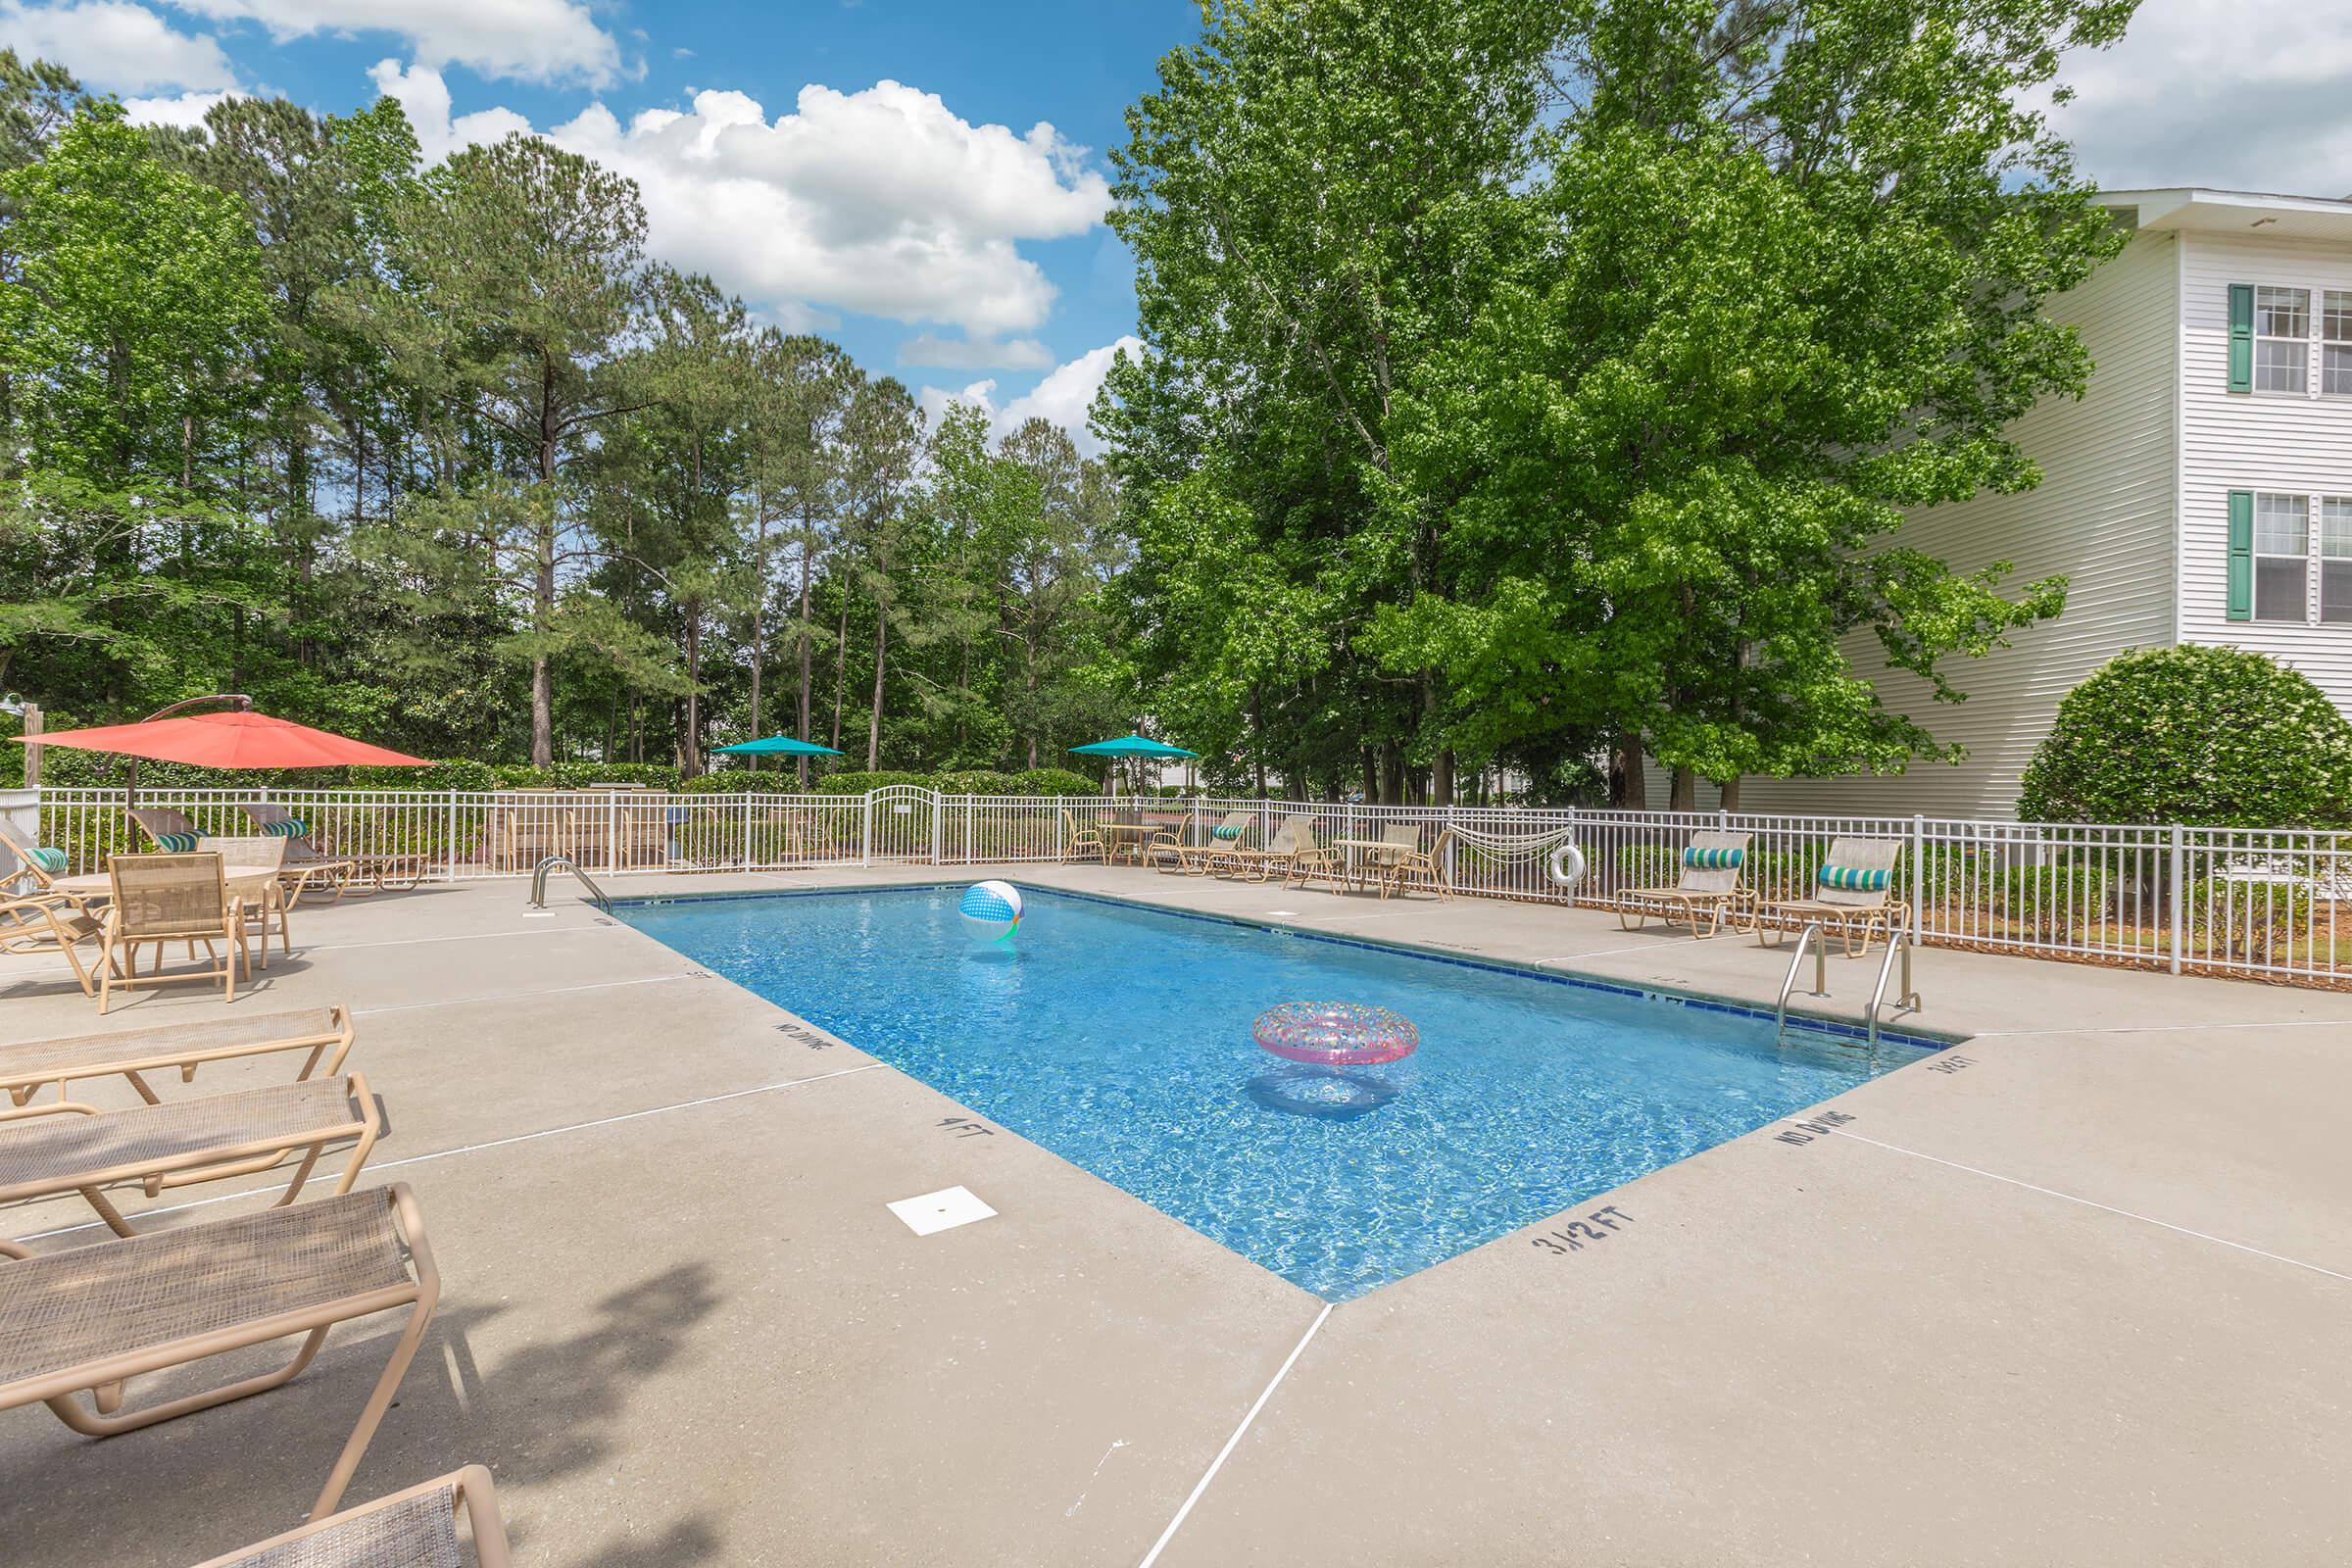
x,y
2206,736
2049,899
2259,917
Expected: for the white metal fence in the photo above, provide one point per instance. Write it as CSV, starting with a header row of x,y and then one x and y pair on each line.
x,y
2252,902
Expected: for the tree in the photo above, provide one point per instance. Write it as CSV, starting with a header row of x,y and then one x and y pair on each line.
x,y
882,433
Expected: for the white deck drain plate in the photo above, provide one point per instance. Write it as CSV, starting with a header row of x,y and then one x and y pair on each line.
x,y
942,1210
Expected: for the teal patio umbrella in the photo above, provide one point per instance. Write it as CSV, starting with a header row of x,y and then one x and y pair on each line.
x,y
774,746
1133,746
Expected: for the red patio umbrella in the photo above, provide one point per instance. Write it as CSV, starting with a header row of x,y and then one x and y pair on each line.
x,y
242,739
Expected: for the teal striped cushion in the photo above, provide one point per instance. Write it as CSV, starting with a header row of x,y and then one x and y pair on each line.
x,y
52,862
1228,832
1855,879
175,842
1699,860
293,827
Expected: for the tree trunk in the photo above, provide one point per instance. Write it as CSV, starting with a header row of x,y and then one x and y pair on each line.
x,y
690,759
1682,792
806,640
840,667
1730,789
873,725
1629,786
1441,780
1371,773
759,619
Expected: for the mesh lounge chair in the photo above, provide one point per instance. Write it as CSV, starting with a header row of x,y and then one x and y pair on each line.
x,y
41,878
1078,840
1221,842
309,857
60,1147
323,1034
51,923
161,899
1415,866
1311,858
1295,836
1853,895
1706,891
413,1528
89,1319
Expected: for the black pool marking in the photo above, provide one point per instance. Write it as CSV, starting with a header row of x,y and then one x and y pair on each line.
x,y
1572,1236
1818,1125
1950,1063
966,1127
808,1037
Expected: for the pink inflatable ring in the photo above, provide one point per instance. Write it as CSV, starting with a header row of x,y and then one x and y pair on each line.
x,y
1336,1034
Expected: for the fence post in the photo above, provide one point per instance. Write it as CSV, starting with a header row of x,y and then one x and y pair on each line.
x,y
1918,873
865,836
746,827
613,831
938,811
1059,850
450,870
2179,892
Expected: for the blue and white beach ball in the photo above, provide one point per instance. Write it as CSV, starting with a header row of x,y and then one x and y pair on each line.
x,y
994,907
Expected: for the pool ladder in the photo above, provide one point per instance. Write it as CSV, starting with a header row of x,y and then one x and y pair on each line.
x,y
1898,940
596,894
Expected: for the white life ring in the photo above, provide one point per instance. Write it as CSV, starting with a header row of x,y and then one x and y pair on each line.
x,y
1566,866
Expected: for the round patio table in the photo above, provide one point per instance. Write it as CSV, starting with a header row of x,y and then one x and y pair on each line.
x,y
1372,850
1127,838
257,885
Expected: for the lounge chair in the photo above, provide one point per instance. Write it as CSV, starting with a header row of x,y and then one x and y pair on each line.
x,y
1416,867
1853,895
41,868
413,1528
323,1034
169,898
59,1147
52,923
1222,841
1078,840
1297,833
310,856
1311,858
91,1318
1708,890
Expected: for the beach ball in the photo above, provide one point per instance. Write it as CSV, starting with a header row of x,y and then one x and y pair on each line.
x,y
993,907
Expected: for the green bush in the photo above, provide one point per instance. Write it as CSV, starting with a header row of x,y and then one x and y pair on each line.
x,y
1031,781
2210,736
2050,898
2251,917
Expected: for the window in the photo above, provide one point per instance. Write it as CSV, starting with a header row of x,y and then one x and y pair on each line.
x,y
2335,557
2282,557
2335,341
2281,339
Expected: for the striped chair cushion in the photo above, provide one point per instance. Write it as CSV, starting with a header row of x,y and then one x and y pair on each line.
x,y
293,827
175,842
50,861
1227,832
1699,860
1855,879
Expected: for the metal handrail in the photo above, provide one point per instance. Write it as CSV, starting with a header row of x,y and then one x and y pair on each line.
x,y
1820,976
1898,935
596,894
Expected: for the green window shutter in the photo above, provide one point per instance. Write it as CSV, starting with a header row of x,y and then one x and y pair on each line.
x,y
2241,555
2242,337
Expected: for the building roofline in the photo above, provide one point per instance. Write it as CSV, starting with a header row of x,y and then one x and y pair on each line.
x,y
2235,212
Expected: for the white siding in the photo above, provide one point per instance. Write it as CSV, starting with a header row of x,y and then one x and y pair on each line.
x,y
2254,441
2102,518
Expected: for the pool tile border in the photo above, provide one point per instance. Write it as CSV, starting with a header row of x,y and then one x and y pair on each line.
x,y
1811,1023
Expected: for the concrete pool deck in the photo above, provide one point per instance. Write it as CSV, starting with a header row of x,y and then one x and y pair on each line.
x,y
2074,1292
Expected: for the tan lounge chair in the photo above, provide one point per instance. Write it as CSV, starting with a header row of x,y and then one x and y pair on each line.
x,y
1415,866
311,857
1853,895
1221,841
1311,858
1078,840
60,1147
91,1318
161,899
413,1528
43,881
1259,865
52,923
323,1034
1707,892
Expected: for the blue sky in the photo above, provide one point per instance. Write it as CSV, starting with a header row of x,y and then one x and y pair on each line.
x,y
921,181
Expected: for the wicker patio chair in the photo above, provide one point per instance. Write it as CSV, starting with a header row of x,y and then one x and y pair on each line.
x,y
1078,840
1853,895
323,1034
161,899
91,1318
413,1528
1416,867
59,1147
52,923
1708,890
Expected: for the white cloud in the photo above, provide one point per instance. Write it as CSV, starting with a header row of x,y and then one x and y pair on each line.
x,y
881,201
114,46
965,354
184,109
538,41
2240,94
1062,397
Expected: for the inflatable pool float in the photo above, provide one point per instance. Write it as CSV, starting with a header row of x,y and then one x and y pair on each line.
x,y
1336,1034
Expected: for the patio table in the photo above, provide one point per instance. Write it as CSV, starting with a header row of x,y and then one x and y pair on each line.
x,y
258,885
1373,851
1127,838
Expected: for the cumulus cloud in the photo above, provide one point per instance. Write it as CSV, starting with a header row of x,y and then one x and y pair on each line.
x,y
538,41
2240,94
1062,396
114,46
184,109
963,354
881,201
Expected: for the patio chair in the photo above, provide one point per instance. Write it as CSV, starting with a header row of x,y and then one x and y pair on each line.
x,y
1853,895
1311,858
413,1528
1078,839
59,1147
1416,867
1706,891
1258,864
313,856
1201,858
41,868
91,1318
1166,849
52,923
161,899
323,1034
254,868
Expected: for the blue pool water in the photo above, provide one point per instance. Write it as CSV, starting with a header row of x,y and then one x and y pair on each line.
x,y
1119,1038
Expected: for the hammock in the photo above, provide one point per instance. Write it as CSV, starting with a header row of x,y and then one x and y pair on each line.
x,y
1553,848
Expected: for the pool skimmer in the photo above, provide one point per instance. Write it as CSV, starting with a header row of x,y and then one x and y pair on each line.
x,y
942,1210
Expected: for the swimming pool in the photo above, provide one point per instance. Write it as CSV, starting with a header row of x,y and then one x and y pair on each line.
x,y
1118,1036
